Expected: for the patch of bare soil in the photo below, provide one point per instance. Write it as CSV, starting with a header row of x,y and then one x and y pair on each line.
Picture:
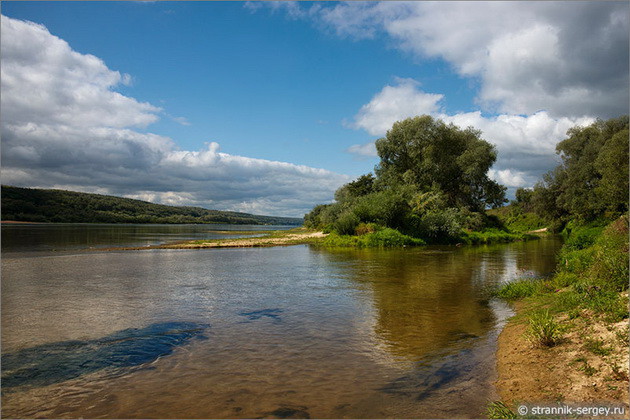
x,y
590,365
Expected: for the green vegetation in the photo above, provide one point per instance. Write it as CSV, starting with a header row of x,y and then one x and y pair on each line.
x,y
381,238
591,183
585,199
36,205
543,329
518,289
589,279
498,410
431,186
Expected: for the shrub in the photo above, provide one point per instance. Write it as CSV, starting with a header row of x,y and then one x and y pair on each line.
x,y
441,226
365,228
346,223
490,236
575,261
387,208
564,279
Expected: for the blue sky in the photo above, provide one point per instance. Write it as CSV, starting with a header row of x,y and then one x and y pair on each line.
x,y
269,107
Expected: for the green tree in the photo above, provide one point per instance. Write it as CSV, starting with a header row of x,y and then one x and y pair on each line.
x,y
432,155
592,180
363,185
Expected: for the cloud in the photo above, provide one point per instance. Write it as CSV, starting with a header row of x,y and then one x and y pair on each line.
x,y
45,82
363,150
508,177
180,120
525,144
567,58
394,103
64,126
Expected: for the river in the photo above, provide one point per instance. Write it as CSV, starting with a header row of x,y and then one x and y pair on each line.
x,y
283,332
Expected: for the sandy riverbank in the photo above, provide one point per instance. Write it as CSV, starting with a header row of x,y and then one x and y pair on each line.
x,y
571,372
296,236
274,239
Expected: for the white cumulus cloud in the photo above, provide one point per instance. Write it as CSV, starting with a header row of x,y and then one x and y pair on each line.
x,y
64,126
567,58
394,103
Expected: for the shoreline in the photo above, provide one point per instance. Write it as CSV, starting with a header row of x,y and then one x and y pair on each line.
x,y
567,373
300,236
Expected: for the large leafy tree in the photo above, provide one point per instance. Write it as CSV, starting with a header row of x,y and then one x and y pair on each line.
x,y
433,156
592,180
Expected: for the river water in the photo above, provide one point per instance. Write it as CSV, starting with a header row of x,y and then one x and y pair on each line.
x,y
283,332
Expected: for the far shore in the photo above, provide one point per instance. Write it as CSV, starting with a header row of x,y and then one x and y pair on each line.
x,y
18,222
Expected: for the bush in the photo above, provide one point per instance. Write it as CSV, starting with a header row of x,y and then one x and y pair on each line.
x,y
490,236
441,226
575,261
365,228
582,238
564,279
387,208
346,224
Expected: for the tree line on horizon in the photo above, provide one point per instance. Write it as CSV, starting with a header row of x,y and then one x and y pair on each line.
x,y
59,206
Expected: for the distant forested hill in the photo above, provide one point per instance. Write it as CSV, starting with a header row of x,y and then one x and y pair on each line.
x,y
36,205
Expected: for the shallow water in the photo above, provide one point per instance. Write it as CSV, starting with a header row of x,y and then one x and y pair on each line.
x,y
265,332
59,237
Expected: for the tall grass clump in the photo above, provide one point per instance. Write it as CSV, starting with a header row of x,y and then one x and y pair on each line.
x,y
499,410
543,329
518,289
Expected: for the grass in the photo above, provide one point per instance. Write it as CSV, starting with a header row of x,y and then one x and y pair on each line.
x,y
592,271
597,346
516,220
544,330
384,238
492,236
518,289
499,410
588,288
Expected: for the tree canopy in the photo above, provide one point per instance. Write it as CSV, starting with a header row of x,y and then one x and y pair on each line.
x,y
431,182
431,155
592,180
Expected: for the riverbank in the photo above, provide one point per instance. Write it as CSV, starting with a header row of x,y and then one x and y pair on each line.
x,y
568,342
297,236
383,238
588,366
